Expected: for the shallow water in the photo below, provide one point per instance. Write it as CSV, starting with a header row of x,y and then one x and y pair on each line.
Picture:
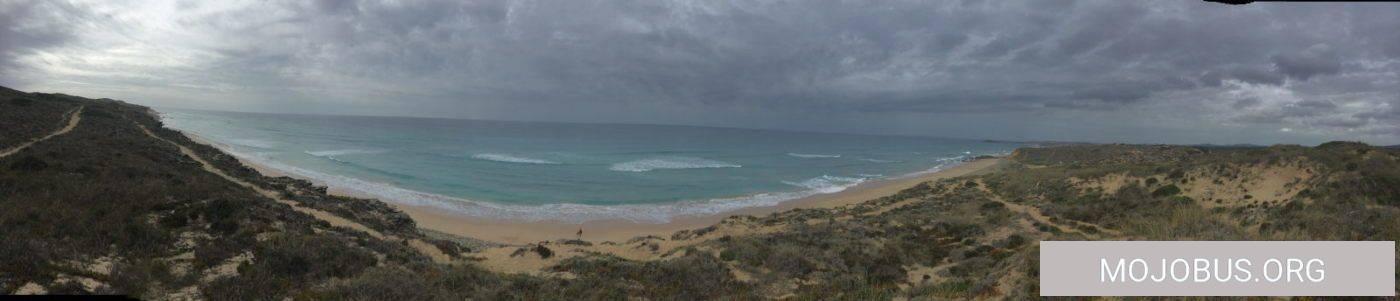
x,y
568,172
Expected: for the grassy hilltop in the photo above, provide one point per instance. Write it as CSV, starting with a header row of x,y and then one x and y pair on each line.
x,y
121,205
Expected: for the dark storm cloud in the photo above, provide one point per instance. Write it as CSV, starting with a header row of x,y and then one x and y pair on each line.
x,y
1324,68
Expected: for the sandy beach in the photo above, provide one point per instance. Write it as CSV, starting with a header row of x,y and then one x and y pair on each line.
x,y
515,232
523,232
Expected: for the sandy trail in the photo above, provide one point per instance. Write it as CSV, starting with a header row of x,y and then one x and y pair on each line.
x,y
1035,214
423,247
73,118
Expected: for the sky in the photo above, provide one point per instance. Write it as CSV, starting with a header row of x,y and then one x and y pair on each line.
x,y
1097,71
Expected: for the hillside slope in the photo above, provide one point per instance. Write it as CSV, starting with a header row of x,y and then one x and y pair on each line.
x,y
107,207
121,205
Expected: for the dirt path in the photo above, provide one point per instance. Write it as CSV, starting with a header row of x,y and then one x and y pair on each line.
x,y
73,118
423,247
1034,213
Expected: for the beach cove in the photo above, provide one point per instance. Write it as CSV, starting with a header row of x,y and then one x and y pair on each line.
x,y
512,230
516,232
522,182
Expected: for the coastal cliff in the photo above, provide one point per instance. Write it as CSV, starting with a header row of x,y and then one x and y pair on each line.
x,y
96,197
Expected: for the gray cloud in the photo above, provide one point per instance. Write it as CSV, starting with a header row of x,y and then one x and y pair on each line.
x,y
821,65
26,27
1316,60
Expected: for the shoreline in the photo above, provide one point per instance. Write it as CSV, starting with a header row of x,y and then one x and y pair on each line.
x,y
517,232
524,232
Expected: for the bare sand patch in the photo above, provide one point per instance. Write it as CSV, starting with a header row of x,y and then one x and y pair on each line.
x,y
1247,185
1108,184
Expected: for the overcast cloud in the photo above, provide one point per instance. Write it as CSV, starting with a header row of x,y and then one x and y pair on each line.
x,y
1108,71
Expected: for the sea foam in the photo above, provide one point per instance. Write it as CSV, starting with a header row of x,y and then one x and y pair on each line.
x,y
511,159
827,184
942,163
342,152
670,163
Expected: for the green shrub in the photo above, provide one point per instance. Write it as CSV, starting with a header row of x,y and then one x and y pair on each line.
x,y
956,288
543,251
1015,241
992,207
1165,191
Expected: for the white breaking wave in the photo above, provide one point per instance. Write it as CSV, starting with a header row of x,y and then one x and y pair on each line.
x,y
943,163
511,159
670,163
811,156
341,152
827,184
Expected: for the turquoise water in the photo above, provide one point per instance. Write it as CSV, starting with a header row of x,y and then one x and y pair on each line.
x,y
568,172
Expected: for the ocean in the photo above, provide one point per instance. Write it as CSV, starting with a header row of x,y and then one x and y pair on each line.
x,y
568,172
